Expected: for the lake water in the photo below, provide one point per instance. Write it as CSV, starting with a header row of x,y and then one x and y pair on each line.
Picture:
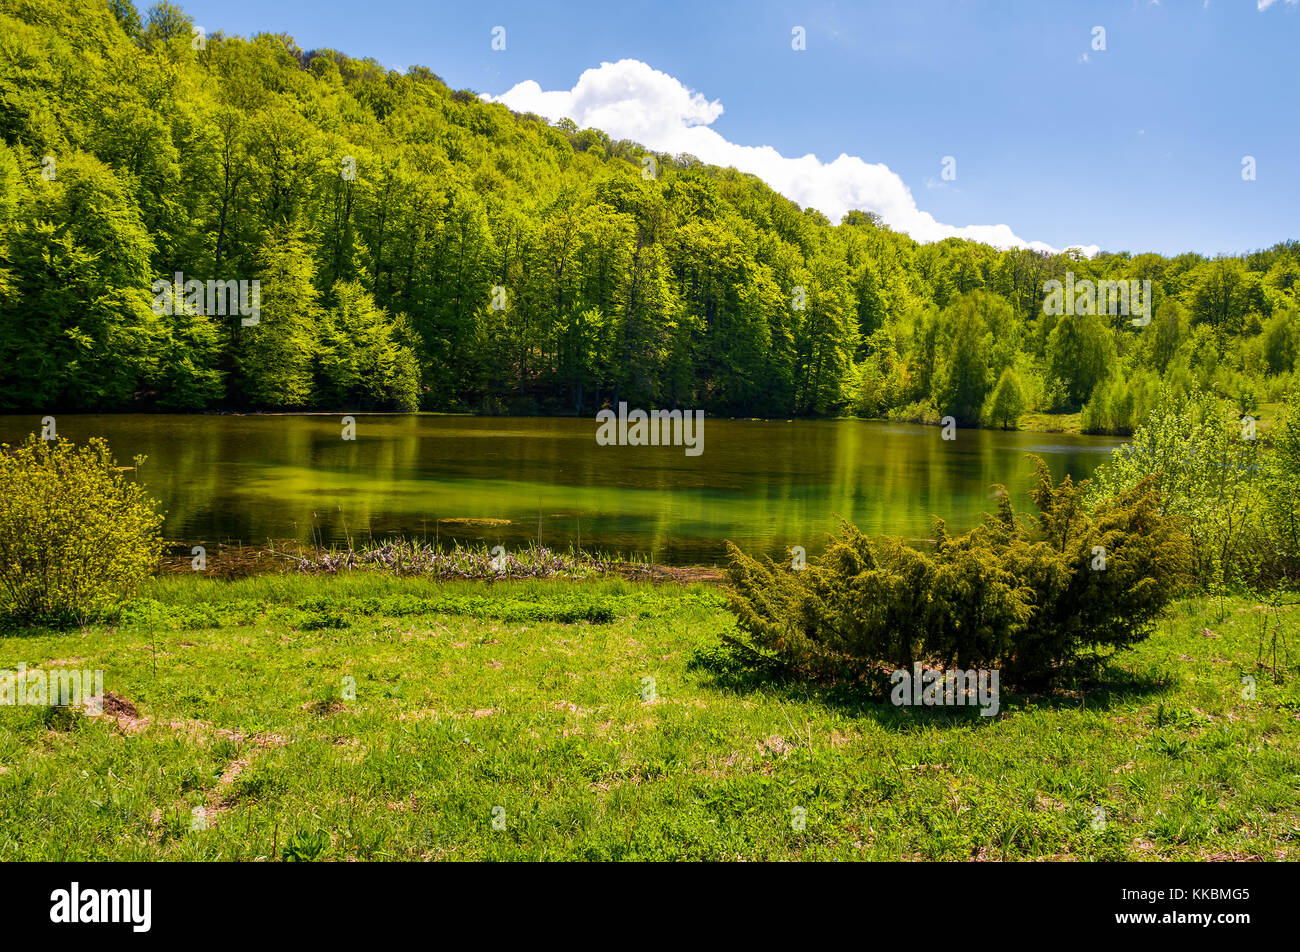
x,y
764,485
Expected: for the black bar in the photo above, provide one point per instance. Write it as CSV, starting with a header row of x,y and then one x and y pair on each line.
x,y
335,902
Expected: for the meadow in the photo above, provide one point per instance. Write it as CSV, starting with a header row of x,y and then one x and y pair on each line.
x,y
367,717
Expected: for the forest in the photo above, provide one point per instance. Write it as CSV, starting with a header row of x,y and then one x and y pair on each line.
x,y
416,248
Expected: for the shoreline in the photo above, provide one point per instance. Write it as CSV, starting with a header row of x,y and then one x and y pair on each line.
x,y
1034,422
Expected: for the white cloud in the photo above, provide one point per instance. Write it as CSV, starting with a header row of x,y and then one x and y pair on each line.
x,y
1265,4
631,100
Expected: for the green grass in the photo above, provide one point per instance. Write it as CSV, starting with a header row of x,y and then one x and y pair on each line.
x,y
1042,422
531,697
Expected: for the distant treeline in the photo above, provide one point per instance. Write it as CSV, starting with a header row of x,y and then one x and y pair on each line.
x,y
416,248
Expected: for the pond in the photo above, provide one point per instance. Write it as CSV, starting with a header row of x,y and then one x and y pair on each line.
x,y
765,485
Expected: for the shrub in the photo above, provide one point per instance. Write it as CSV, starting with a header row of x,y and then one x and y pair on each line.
x,y
76,535
1208,473
1279,387
1101,575
1281,475
1028,600
1120,403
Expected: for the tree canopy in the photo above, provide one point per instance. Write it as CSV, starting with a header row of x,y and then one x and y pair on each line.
x,y
419,248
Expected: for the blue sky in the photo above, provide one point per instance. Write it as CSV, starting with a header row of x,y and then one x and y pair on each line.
x,y
1135,147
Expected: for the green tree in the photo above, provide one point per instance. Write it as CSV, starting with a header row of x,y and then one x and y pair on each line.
x,y
127,15
275,355
1217,292
1080,354
77,329
166,21
1281,342
366,365
1007,403
962,363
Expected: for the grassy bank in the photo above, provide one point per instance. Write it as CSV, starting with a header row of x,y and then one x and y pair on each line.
x,y
528,701
1044,422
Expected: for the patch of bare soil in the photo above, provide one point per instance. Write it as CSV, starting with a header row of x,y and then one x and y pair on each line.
x,y
325,708
117,706
221,799
129,721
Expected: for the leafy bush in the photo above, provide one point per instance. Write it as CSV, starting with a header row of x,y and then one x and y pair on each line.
x,y
1281,475
1207,472
1027,599
76,535
1120,403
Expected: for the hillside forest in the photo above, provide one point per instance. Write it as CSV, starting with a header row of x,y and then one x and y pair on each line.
x,y
417,248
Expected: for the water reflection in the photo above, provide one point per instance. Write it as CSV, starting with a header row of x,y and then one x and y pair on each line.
x,y
765,485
